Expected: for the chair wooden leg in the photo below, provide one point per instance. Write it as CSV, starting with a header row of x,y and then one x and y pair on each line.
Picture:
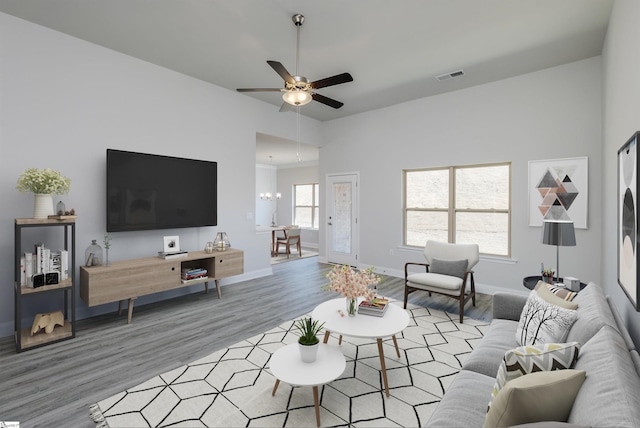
x,y
406,295
473,290
461,308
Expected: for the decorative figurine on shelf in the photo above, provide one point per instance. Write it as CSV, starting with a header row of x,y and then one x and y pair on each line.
x,y
221,243
47,321
60,208
93,254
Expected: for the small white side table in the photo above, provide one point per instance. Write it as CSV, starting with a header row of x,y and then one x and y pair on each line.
x,y
287,366
396,319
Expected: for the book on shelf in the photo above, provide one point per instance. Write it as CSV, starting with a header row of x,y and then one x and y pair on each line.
x,y
200,278
377,306
172,255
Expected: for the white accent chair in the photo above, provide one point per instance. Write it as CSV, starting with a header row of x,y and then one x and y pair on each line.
x,y
445,272
292,238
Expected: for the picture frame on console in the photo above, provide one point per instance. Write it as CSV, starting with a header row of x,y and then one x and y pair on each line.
x,y
627,230
171,244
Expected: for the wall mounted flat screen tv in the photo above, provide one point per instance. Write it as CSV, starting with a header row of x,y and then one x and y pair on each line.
x,y
146,191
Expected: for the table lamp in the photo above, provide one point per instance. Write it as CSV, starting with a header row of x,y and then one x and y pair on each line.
x,y
560,234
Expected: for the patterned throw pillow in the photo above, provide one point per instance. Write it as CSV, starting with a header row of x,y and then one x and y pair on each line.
x,y
449,267
562,292
546,293
543,322
529,359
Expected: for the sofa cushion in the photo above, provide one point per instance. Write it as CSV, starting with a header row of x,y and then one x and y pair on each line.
x,y
535,397
530,359
593,313
543,322
464,403
620,325
610,394
449,267
487,355
635,357
424,280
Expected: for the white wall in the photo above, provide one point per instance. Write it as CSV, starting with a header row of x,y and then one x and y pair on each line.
x,y
266,181
554,113
621,59
287,177
65,101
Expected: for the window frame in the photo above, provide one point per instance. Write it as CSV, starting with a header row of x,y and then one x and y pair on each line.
x,y
315,204
452,210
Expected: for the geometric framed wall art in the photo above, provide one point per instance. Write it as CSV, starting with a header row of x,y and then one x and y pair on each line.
x,y
558,190
628,219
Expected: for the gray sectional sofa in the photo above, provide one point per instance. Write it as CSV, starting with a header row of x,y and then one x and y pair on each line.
x,y
610,394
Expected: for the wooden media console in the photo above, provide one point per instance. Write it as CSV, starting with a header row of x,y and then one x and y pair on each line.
x,y
127,280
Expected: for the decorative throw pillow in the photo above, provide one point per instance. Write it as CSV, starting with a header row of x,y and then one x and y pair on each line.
x,y
449,267
544,292
543,322
536,397
530,359
562,292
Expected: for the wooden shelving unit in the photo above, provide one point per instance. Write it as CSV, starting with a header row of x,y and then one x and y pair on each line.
x,y
23,338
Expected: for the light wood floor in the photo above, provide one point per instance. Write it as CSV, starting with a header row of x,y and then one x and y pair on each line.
x,y
54,386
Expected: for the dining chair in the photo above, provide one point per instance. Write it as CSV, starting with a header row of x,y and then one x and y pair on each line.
x,y
292,238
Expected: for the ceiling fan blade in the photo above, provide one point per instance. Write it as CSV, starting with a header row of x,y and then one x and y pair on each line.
x,y
326,100
279,68
259,89
333,80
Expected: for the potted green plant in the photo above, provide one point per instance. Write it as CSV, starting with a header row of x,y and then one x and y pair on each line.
x,y
308,341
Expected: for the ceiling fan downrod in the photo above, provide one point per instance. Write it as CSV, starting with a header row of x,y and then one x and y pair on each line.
x,y
298,20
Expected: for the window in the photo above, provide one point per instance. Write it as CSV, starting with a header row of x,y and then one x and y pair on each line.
x,y
305,205
462,204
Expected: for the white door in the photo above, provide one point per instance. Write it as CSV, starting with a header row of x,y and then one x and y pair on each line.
x,y
342,219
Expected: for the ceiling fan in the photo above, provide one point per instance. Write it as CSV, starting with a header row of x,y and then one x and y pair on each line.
x,y
297,89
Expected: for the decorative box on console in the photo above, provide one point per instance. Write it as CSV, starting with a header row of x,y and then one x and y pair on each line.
x,y
572,283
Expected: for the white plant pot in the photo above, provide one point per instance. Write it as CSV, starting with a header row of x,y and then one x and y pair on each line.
x,y
308,353
42,205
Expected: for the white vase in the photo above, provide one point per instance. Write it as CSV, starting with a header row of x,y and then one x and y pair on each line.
x,y
42,205
308,353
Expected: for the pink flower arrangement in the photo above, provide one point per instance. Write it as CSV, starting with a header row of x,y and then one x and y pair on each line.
x,y
352,283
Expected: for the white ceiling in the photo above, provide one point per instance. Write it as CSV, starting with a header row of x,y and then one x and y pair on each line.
x,y
393,49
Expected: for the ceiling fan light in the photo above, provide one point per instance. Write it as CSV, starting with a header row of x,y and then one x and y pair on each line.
x,y
297,98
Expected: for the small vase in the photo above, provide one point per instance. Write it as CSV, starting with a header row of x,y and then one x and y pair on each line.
x,y
42,205
352,307
308,353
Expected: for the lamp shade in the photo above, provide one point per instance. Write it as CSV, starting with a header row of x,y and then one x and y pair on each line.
x,y
560,233
297,98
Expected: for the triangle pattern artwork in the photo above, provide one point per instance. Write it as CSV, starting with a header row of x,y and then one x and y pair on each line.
x,y
558,193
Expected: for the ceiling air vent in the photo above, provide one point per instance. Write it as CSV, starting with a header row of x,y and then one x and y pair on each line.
x,y
452,75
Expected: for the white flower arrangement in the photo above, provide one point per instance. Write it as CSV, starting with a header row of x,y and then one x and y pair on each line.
x,y
46,181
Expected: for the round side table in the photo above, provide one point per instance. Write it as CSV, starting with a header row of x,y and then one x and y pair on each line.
x,y
531,281
287,366
393,322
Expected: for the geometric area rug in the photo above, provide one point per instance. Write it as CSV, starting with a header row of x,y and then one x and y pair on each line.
x,y
232,387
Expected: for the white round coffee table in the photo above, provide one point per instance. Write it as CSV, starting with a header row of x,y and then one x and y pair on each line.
x,y
286,365
333,314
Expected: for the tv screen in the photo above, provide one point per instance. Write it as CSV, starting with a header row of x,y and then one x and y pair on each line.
x,y
146,191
